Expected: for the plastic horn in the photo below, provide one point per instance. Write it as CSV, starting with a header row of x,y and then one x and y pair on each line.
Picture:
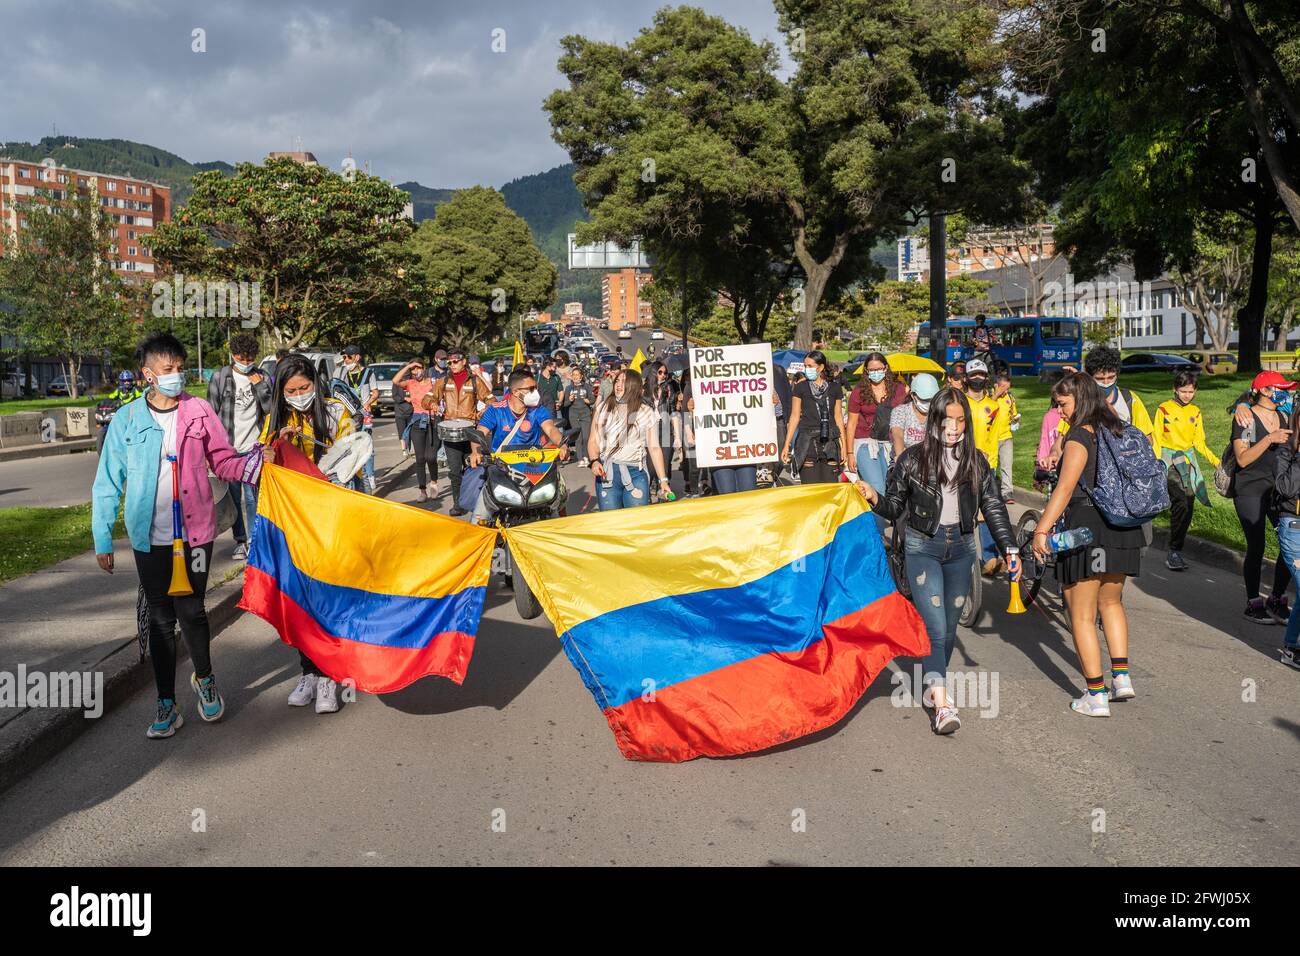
x,y
1017,603
180,586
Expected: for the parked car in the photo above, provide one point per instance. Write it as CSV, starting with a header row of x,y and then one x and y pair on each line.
x,y
13,385
1215,363
1155,362
380,374
58,386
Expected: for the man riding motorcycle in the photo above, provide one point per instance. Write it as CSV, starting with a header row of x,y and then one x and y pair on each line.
x,y
518,419
108,405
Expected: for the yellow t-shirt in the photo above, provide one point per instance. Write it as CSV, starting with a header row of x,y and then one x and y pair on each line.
x,y
1009,412
986,414
1138,417
1181,428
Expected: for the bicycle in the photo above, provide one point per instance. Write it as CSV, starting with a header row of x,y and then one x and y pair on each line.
x,y
1032,580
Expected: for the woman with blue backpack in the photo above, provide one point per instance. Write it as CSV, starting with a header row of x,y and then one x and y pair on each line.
x,y
1092,577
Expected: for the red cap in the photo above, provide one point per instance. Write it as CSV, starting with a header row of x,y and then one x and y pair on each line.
x,y
1272,380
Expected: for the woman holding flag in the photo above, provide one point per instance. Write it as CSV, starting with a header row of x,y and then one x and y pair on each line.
x,y
158,452
312,423
941,485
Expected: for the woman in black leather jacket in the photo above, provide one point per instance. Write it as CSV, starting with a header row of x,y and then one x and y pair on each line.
x,y
941,485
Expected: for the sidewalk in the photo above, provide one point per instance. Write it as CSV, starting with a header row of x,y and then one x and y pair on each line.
x,y
73,617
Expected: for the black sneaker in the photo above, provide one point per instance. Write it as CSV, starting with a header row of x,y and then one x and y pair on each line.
x,y
1291,657
1175,562
1255,611
1279,609
457,511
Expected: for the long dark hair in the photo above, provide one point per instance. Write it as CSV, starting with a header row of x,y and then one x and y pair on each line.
x,y
820,358
289,367
930,451
1090,405
633,392
867,394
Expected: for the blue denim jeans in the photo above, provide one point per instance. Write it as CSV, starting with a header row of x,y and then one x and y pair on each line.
x,y
939,573
872,470
245,499
727,481
988,549
611,493
1288,540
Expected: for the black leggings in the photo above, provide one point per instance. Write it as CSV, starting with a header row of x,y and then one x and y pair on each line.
x,y
425,442
819,472
155,570
1254,514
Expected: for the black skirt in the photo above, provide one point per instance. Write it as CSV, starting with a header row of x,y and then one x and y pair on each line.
x,y
1113,550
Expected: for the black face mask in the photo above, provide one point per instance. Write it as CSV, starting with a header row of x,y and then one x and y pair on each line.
x,y
977,384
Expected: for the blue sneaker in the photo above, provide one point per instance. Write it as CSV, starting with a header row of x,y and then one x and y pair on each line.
x,y
168,720
211,704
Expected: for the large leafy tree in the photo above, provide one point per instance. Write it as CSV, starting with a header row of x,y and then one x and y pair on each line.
x,y
482,258
326,249
58,280
1148,139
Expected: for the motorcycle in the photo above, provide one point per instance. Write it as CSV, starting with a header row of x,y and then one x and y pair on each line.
x,y
521,484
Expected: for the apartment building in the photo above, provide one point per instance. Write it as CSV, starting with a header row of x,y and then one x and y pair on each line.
x,y
621,303
135,206
980,251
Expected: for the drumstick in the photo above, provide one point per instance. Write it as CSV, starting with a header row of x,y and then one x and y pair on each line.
x,y
180,584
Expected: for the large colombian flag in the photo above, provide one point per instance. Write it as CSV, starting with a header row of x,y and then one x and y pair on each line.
x,y
722,625
373,591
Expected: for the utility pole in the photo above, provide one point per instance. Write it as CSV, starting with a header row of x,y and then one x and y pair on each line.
x,y
938,243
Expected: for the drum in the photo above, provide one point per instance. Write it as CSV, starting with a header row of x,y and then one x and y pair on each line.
x,y
455,429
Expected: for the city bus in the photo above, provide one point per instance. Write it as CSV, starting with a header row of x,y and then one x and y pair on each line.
x,y
1029,344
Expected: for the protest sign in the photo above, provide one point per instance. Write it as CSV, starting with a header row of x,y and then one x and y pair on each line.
x,y
735,422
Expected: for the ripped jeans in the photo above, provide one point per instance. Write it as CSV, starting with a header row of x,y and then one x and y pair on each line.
x,y
939,573
624,486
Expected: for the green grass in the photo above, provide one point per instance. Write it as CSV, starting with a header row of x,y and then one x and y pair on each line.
x,y
36,538
1216,523
14,405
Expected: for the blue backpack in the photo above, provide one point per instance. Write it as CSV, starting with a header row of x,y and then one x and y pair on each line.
x,y
1130,486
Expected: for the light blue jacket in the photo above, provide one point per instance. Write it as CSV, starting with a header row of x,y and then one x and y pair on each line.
x,y
129,462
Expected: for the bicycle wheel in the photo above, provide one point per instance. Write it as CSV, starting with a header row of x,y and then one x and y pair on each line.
x,y
898,561
1025,529
971,610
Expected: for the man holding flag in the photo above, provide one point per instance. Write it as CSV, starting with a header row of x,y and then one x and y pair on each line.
x,y
158,451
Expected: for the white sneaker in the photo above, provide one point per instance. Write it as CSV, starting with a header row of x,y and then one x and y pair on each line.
x,y
302,695
327,699
1122,687
1091,705
240,553
946,720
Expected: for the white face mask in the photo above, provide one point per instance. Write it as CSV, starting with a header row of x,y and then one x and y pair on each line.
x,y
922,406
241,367
533,399
952,433
301,402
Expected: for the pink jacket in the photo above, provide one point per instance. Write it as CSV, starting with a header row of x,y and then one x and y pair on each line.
x,y
1048,435
129,463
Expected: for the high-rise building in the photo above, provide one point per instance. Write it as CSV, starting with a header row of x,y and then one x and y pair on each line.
x,y
620,299
981,250
135,206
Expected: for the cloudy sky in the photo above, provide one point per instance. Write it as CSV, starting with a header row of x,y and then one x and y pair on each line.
x,y
412,86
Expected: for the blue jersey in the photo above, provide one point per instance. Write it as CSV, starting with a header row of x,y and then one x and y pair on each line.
x,y
499,420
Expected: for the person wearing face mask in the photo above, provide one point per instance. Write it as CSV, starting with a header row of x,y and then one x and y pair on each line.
x,y
241,396
1092,576
167,432
1255,449
1102,364
360,396
939,487
871,403
625,433
986,414
421,432
907,421
311,422
458,395
1178,434
518,420
817,406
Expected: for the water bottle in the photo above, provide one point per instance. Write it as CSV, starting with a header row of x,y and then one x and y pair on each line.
x,y
1069,540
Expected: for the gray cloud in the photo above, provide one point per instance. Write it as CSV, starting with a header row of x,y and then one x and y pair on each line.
x,y
413,88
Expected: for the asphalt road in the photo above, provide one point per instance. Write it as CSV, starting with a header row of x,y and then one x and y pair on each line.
x,y
1202,768
51,482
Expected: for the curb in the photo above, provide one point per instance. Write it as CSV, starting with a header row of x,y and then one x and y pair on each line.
x,y
1209,553
34,736
47,449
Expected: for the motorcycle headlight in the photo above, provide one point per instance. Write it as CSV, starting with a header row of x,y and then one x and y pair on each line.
x,y
504,494
543,494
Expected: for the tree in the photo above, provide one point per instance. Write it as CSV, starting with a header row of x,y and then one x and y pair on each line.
x,y
326,249
59,281
481,257
1284,290
889,313
1214,282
